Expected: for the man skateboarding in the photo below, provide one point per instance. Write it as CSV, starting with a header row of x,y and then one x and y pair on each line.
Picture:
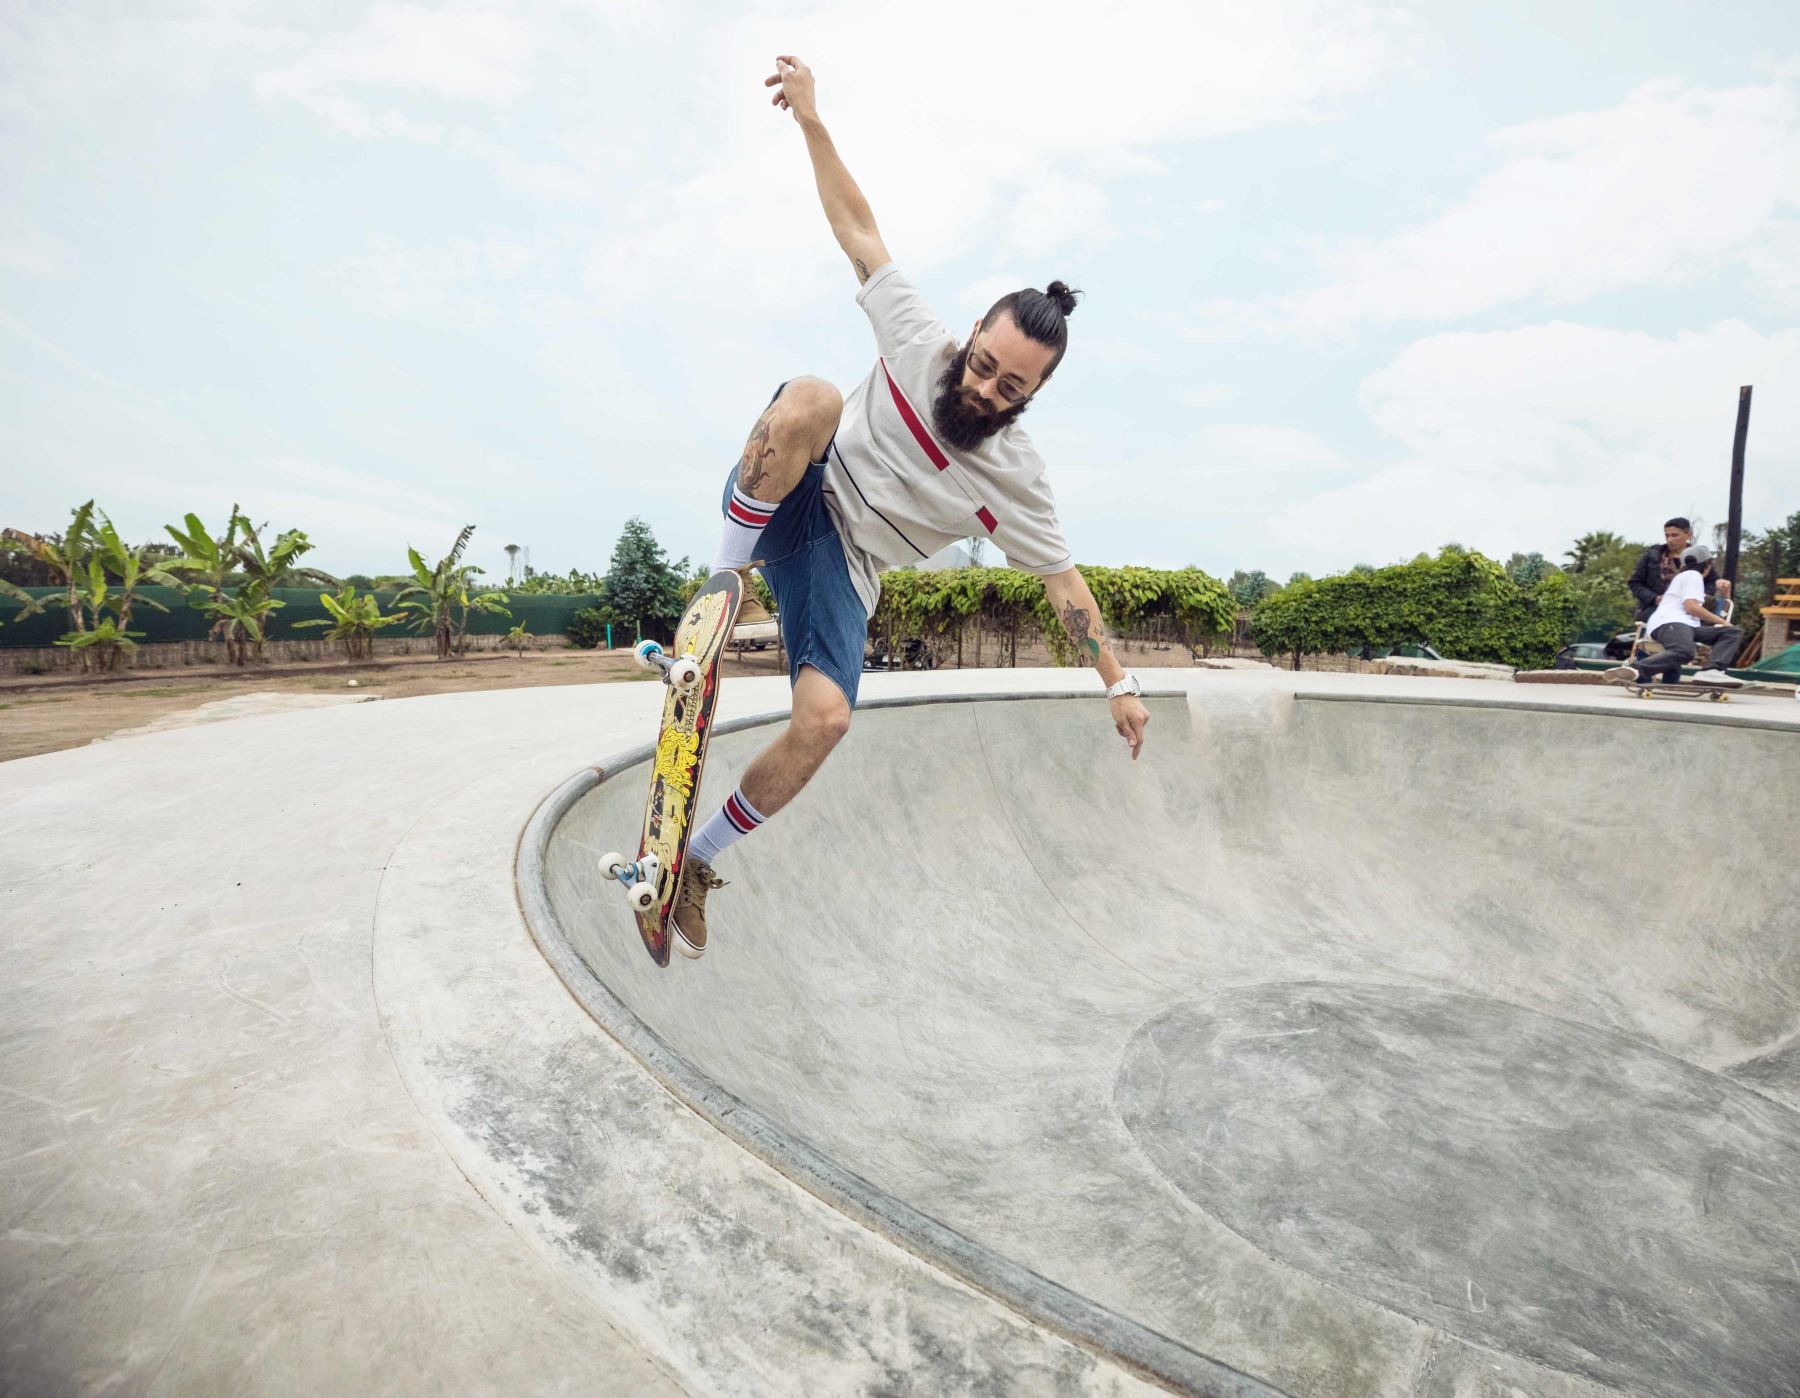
x,y
829,490
1680,623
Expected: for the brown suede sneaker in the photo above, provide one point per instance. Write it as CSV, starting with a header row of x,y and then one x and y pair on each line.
x,y
750,609
688,916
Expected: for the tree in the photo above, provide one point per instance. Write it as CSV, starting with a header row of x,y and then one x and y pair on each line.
x,y
102,575
444,597
1249,588
28,605
1591,547
353,620
573,583
1604,605
1529,569
67,556
642,586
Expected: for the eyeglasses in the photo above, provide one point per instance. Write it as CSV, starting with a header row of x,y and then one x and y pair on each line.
x,y
982,365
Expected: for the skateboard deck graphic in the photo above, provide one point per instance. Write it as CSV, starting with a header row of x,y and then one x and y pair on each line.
x,y
681,751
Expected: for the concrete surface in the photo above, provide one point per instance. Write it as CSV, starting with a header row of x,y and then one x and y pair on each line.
x,y
294,1103
1329,1044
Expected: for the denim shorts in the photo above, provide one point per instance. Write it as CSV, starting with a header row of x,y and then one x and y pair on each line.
x,y
822,619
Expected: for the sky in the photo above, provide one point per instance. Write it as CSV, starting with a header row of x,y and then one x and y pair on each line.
x,y
1360,279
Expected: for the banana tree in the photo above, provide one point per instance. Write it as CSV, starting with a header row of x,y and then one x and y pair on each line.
x,y
354,620
441,599
243,621
276,567
28,605
130,568
517,637
208,562
69,557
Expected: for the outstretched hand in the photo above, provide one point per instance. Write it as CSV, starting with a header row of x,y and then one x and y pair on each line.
x,y
793,84
1129,717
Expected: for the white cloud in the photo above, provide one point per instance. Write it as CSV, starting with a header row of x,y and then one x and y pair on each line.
x,y
1524,439
1773,263
967,127
460,53
1671,184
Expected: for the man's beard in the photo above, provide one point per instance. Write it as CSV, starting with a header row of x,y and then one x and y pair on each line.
x,y
963,424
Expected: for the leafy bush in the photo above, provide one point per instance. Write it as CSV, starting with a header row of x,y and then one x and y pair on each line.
x,y
1461,604
587,628
923,605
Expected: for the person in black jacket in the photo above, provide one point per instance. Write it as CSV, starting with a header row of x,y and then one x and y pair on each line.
x,y
1660,562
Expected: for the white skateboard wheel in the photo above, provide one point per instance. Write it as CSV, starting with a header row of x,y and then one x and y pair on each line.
x,y
684,673
643,897
644,652
612,864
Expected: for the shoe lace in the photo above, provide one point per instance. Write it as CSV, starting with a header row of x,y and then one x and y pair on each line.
x,y
703,877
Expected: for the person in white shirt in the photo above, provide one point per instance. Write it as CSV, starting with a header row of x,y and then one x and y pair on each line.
x,y
1680,624
831,489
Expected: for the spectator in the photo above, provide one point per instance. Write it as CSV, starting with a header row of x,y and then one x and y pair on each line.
x,y
1681,621
1661,562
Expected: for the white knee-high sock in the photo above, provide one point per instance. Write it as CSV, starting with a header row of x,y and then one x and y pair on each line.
x,y
744,521
730,823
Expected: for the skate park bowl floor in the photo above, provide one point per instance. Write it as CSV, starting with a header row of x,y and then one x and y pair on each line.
x,y
1340,1039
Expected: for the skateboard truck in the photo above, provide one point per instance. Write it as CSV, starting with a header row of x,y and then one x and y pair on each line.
x,y
679,672
637,876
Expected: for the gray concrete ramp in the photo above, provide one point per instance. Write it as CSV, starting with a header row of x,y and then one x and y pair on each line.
x,y
1356,1047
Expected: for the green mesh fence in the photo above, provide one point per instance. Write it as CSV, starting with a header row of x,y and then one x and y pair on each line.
x,y
544,614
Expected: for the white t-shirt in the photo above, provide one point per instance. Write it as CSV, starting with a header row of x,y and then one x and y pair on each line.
x,y
1684,586
897,494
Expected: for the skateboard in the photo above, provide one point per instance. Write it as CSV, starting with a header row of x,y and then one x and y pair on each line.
x,y
1681,689
690,669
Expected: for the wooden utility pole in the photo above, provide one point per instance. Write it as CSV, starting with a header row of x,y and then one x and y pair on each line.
x,y
1734,525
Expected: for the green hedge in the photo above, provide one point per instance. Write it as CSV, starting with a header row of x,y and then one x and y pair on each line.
x,y
1460,604
544,614
916,604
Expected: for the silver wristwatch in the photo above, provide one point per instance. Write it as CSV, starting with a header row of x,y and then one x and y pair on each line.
x,y
1128,685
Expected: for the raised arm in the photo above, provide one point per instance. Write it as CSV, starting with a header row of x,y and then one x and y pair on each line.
x,y
852,222
1073,601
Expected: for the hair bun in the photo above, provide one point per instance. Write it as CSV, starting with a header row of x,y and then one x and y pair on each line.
x,y
1060,293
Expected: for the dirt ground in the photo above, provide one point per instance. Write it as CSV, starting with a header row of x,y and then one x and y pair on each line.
x,y
46,713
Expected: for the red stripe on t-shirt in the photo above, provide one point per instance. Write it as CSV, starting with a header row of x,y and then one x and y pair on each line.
x,y
911,419
923,438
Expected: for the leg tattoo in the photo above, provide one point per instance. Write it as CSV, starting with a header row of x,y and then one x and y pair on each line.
x,y
753,468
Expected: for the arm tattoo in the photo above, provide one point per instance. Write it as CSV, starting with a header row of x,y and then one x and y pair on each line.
x,y
753,468
862,270
1088,634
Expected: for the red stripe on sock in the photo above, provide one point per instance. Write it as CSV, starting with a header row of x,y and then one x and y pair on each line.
x,y
746,516
738,816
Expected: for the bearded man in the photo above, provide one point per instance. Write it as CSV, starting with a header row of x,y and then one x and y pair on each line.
x,y
925,451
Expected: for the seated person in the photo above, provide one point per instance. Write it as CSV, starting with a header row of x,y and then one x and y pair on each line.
x,y
1661,562
1681,622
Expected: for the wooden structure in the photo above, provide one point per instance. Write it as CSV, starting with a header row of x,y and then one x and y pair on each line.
x,y
1781,617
